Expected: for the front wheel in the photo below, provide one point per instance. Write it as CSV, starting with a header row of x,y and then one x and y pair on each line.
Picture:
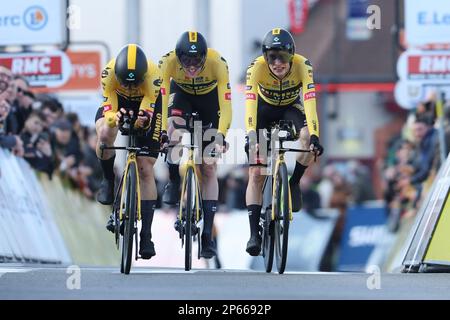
x,y
188,203
129,219
282,216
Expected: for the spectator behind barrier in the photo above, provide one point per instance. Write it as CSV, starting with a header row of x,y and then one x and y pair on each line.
x,y
23,103
38,150
66,148
426,139
11,142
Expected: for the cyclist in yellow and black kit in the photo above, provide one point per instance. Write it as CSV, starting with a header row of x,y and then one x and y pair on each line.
x,y
195,78
131,84
280,86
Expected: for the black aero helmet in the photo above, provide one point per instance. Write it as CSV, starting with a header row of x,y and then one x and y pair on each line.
x,y
191,49
278,39
131,65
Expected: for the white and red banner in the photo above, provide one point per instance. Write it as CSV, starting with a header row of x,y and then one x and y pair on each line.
x,y
426,67
420,71
48,69
298,15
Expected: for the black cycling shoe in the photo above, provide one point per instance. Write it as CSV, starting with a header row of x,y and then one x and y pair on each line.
x,y
254,245
171,194
208,248
146,248
105,194
296,196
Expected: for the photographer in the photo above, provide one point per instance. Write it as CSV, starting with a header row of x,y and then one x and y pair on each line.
x,y
38,151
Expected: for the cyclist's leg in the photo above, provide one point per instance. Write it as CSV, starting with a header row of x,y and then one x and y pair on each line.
x,y
148,204
147,182
297,115
207,106
105,135
258,162
178,104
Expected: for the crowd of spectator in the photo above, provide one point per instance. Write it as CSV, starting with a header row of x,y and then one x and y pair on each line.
x,y
413,160
52,141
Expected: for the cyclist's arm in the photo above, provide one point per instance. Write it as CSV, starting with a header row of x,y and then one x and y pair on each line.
x,y
151,90
251,98
110,101
165,66
309,98
224,92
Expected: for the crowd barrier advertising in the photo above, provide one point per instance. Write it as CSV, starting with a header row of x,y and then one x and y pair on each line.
x,y
364,229
308,240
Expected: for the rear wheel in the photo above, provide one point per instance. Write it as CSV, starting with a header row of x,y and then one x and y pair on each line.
x,y
280,205
129,219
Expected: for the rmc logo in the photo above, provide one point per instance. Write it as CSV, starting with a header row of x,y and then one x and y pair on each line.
x,y
35,18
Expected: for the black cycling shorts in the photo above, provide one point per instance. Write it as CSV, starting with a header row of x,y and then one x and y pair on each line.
x,y
268,114
207,106
151,138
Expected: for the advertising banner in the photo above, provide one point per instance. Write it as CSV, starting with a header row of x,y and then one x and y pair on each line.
x,y
25,22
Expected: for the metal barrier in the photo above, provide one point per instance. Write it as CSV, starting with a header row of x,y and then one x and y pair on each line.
x,y
27,230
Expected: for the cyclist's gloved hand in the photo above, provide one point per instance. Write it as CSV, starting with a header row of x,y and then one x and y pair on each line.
x,y
251,141
314,145
120,116
143,119
164,139
221,144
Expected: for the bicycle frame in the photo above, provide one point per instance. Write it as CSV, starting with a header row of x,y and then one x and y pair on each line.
x,y
191,164
279,160
131,158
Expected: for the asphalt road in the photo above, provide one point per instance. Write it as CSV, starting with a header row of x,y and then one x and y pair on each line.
x,y
38,282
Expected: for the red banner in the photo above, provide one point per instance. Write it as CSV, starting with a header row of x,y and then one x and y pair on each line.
x,y
298,15
33,65
422,66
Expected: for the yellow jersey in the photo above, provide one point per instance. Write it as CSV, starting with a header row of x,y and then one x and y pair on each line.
x,y
213,74
298,82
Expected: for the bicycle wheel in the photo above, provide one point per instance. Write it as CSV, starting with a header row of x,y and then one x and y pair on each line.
x,y
116,213
130,204
282,217
189,210
268,227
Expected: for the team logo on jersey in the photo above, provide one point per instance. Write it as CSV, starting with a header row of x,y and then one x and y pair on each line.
x,y
107,108
311,86
157,82
250,96
309,95
308,63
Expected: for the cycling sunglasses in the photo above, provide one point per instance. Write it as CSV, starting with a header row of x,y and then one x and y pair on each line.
x,y
25,92
282,56
187,61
